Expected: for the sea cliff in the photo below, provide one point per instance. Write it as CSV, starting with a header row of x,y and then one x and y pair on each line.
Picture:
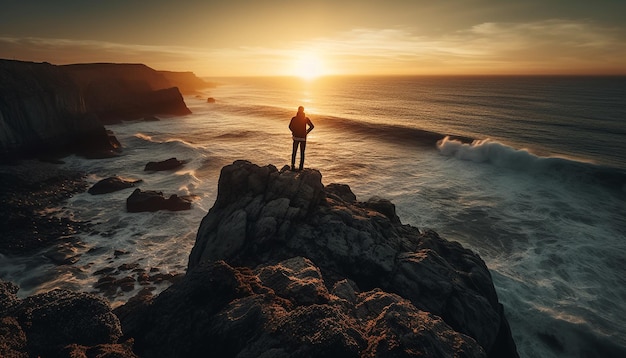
x,y
42,109
47,109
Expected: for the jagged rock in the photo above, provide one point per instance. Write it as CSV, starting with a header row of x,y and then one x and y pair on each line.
x,y
43,324
151,200
341,191
112,184
262,215
283,310
168,164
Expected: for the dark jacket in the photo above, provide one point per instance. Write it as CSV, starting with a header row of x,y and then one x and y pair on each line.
x,y
298,126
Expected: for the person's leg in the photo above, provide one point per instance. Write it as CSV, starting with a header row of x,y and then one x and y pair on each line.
x,y
302,149
293,154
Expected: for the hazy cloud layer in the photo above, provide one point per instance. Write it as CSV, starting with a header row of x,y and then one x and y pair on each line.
x,y
548,46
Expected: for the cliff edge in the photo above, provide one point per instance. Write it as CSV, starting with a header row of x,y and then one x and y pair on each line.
x,y
42,110
284,266
47,109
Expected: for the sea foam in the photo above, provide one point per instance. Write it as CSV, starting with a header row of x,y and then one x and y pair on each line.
x,y
502,155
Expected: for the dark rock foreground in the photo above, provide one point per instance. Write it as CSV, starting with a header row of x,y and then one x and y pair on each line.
x,y
284,266
55,323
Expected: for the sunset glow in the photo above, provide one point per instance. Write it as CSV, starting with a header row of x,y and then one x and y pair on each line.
x,y
308,66
247,38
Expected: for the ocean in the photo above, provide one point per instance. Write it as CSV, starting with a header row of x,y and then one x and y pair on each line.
x,y
529,172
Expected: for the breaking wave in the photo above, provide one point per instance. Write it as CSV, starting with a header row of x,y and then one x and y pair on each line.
x,y
501,155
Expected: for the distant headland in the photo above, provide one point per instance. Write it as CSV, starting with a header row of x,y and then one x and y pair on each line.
x,y
46,109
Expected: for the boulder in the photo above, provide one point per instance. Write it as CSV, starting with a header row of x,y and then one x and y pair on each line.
x,y
210,100
262,215
44,324
168,164
151,200
111,184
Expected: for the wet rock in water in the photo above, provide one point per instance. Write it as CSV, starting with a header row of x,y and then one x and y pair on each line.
x,y
112,184
210,100
150,200
28,190
118,253
128,267
168,164
273,244
62,258
104,271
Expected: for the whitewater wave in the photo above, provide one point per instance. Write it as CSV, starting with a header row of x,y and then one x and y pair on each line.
x,y
502,155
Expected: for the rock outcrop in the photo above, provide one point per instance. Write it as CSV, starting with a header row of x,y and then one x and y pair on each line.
x,y
284,266
285,310
112,184
168,164
42,111
54,322
151,200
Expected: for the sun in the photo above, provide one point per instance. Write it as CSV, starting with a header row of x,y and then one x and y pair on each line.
x,y
308,66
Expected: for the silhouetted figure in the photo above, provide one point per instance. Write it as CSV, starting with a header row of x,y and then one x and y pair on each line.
x,y
299,131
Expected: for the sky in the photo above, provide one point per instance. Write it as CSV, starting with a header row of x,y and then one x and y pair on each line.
x,y
325,37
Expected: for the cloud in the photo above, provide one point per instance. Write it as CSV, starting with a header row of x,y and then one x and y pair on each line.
x,y
548,46
64,51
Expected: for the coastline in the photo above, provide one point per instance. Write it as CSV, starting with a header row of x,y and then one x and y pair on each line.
x,y
318,291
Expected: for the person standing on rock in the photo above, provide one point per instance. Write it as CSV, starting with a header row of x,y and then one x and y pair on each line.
x,y
299,131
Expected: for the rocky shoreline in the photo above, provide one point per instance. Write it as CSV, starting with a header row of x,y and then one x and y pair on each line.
x,y
283,266
28,189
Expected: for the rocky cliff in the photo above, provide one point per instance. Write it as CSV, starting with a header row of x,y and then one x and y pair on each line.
x,y
284,266
41,109
117,92
46,108
187,82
